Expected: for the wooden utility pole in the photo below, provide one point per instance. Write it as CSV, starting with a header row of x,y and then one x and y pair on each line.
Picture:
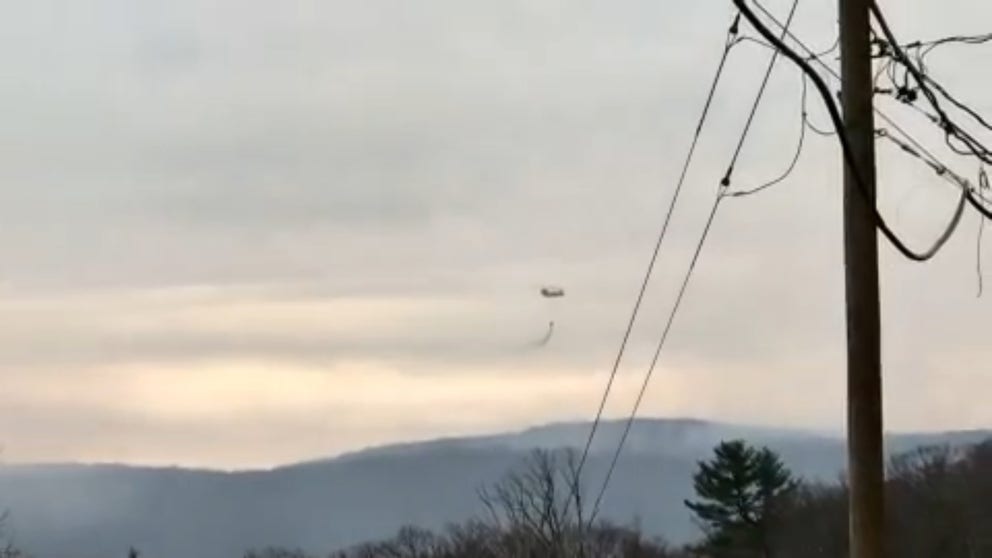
x,y
864,367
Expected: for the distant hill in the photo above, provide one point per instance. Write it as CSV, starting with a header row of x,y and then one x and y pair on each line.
x,y
98,511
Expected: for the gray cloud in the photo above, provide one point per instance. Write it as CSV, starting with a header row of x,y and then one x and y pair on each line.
x,y
454,156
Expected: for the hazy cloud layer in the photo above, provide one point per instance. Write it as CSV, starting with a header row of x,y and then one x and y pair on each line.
x,y
239,233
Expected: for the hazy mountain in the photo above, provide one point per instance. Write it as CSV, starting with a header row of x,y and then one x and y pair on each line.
x,y
97,511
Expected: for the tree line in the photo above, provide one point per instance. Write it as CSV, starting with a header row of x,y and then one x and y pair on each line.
x,y
747,504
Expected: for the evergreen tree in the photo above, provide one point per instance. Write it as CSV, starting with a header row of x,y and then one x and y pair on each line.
x,y
736,492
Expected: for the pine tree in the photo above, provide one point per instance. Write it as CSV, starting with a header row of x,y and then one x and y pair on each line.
x,y
736,492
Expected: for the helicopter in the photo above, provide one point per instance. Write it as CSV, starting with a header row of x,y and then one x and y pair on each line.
x,y
552,292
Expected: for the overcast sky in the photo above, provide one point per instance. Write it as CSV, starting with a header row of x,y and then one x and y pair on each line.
x,y
241,232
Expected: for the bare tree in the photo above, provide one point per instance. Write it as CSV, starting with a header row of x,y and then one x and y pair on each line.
x,y
941,502
534,511
7,548
477,539
812,522
275,552
541,505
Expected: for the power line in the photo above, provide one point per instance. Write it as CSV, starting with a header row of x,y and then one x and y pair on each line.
x,y
965,39
724,186
950,128
924,48
983,185
814,56
795,158
846,148
904,92
664,336
779,47
975,199
974,196
833,48
913,151
757,102
810,56
958,212
978,259
881,114
728,47
924,82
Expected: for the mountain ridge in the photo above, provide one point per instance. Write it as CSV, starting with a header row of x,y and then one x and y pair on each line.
x,y
426,443
99,510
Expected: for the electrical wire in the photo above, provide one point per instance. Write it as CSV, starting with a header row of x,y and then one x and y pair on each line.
x,y
795,158
882,133
810,56
923,80
968,40
954,101
904,92
975,197
807,122
965,39
981,274
924,48
780,47
759,42
891,123
917,150
883,71
664,337
806,119
940,170
958,212
847,150
731,41
983,185
945,122
950,128
835,46
722,193
757,102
